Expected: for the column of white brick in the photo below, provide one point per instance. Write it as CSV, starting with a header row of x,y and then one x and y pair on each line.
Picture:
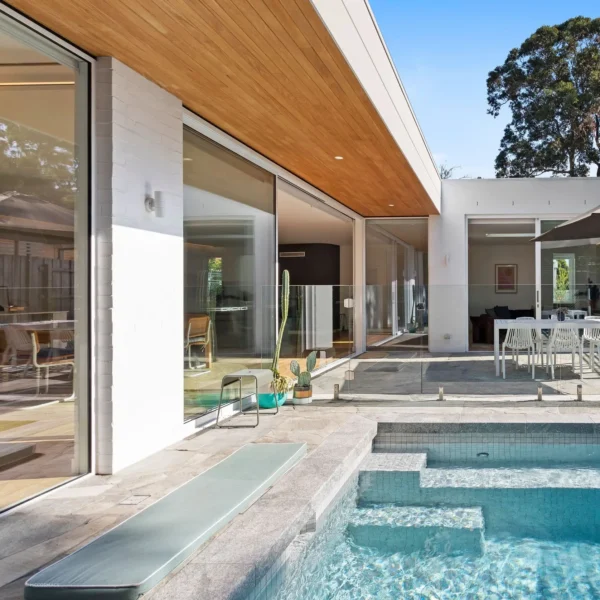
x,y
139,387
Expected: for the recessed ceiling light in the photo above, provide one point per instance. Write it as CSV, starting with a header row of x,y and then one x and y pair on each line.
x,y
390,205
186,158
338,157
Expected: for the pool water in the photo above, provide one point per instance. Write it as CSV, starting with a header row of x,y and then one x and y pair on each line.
x,y
535,543
509,568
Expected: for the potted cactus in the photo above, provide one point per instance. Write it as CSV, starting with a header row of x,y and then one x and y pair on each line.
x,y
280,384
303,388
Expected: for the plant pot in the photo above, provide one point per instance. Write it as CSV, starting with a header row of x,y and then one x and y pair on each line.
x,y
302,395
271,400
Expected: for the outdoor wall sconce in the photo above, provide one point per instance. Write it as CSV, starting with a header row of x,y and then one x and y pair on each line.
x,y
154,204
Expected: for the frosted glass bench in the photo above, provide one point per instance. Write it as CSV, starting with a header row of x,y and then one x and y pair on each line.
x,y
133,557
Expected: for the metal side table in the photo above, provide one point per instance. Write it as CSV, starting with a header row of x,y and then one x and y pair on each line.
x,y
261,378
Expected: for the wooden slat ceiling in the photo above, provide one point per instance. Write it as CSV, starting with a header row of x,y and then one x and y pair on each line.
x,y
268,73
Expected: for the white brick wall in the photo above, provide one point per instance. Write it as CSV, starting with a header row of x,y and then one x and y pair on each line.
x,y
139,277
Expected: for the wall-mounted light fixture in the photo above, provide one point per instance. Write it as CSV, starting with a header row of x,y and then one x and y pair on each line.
x,y
154,204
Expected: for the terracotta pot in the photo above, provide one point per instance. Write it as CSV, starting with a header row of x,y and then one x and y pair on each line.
x,y
302,395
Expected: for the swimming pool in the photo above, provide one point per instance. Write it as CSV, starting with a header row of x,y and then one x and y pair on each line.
x,y
513,529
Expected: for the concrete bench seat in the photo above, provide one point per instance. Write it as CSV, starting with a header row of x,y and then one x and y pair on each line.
x,y
134,556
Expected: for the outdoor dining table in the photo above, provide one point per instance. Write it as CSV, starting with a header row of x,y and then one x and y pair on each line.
x,y
42,325
534,324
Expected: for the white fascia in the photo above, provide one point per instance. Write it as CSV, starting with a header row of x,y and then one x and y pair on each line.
x,y
352,26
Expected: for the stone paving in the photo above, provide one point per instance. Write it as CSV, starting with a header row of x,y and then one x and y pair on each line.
x,y
54,525
418,374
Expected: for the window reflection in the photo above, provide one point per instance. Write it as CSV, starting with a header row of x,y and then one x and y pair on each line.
x,y
229,234
41,193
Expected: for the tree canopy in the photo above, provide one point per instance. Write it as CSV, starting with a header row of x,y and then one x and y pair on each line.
x,y
552,85
37,164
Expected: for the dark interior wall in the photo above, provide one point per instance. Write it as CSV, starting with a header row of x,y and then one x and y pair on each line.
x,y
319,266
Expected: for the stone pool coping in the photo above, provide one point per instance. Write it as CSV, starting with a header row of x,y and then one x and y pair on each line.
x,y
240,561
57,523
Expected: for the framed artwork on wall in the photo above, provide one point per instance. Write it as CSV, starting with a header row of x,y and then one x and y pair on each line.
x,y
506,279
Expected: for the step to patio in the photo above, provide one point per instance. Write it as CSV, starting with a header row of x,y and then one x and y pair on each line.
x,y
382,472
510,478
435,530
13,453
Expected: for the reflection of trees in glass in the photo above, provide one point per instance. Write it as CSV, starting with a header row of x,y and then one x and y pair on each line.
x,y
215,280
36,164
561,280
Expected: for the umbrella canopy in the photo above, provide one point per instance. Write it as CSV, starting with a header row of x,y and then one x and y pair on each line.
x,y
582,227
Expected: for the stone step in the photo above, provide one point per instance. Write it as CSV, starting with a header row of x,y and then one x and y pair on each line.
x,y
12,453
435,530
510,478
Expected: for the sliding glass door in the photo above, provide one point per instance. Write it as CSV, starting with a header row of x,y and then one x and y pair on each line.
x,y
44,285
229,262
568,275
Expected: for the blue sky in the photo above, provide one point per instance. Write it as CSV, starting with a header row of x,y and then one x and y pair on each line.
x,y
444,50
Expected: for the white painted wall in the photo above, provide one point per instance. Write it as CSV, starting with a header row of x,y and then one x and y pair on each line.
x,y
139,276
482,276
448,257
354,29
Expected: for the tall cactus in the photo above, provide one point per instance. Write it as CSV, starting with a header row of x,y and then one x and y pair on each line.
x,y
285,305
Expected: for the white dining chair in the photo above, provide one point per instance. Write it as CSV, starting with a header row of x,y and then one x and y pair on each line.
x,y
540,341
592,337
53,357
564,339
515,340
18,347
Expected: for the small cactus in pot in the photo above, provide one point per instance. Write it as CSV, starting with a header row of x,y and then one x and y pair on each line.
x,y
303,387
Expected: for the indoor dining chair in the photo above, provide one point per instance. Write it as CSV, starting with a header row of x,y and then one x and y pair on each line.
x,y
199,333
47,358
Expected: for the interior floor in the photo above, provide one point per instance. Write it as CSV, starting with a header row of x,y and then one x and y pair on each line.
x,y
44,433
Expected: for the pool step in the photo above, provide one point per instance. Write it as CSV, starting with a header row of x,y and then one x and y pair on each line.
x,y
510,478
381,472
436,530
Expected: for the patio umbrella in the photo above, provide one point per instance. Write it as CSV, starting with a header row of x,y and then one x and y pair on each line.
x,y
582,227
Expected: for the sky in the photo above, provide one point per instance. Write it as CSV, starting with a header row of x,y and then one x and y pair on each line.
x,y
444,50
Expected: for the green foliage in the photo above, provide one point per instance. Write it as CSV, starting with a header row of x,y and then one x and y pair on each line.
x,y
304,377
295,368
552,85
285,305
280,382
37,164
561,282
